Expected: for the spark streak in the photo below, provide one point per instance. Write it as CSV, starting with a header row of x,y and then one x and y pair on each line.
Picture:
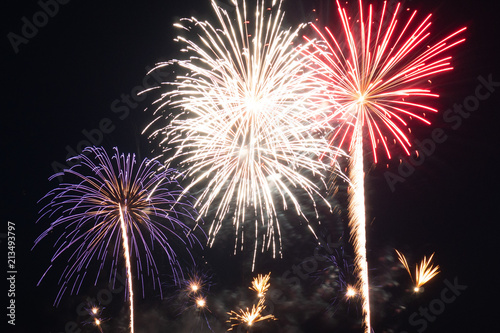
x,y
357,222
128,266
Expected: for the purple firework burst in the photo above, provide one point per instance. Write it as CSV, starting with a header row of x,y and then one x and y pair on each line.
x,y
117,208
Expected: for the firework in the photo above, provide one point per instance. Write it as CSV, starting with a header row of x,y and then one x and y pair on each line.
x,y
261,284
423,273
97,323
376,73
350,292
244,133
114,203
95,316
249,316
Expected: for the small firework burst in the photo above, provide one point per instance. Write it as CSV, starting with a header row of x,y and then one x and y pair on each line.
x,y
260,284
350,292
248,316
423,273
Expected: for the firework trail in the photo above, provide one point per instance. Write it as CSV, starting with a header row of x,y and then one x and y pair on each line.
x,y
114,203
375,73
244,132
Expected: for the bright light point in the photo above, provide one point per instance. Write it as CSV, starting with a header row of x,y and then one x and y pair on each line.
x,y
94,310
194,287
416,289
97,322
351,292
200,302
243,152
361,99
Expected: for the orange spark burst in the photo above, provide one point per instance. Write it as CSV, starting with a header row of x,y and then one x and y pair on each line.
x,y
261,284
249,317
423,273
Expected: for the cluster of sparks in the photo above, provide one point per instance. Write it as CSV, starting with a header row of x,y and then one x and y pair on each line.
x,y
249,316
244,132
95,313
423,273
114,204
195,289
260,285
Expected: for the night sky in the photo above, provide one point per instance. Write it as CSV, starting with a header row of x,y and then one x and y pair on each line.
x,y
81,70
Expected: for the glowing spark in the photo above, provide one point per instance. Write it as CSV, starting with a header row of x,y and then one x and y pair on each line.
x,y
249,317
245,133
200,302
97,323
371,75
95,310
423,273
261,284
194,287
115,202
350,292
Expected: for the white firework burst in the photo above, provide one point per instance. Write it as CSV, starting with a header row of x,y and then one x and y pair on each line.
x,y
247,131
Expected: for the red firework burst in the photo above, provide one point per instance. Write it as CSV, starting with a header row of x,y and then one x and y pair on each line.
x,y
374,72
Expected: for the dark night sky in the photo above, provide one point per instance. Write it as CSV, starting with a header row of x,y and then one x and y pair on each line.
x,y
83,66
